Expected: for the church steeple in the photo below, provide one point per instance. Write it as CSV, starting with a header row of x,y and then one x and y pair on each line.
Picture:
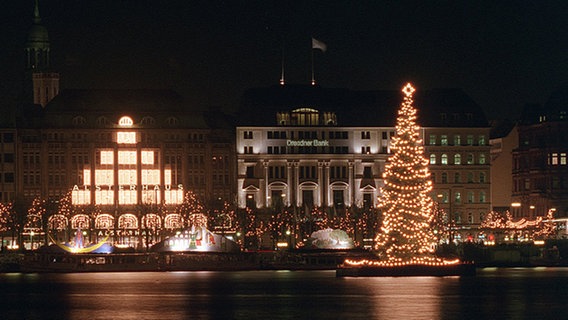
x,y
44,82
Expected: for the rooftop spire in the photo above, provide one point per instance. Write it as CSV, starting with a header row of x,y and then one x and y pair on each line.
x,y
37,18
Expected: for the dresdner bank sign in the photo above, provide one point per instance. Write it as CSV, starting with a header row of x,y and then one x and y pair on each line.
x,y
307,143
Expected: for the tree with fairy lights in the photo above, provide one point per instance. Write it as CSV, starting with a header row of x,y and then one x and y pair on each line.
x,y
34,219
6,214
406,235
190,205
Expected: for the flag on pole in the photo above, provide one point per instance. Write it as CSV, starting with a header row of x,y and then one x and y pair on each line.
x,y
316,44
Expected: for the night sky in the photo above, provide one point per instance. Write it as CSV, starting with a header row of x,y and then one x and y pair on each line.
x,y
504,54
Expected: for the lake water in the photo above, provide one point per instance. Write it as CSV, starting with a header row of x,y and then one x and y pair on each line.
x,y
538,293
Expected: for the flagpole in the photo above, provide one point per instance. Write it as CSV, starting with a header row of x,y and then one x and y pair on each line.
x,y
312,52
282,81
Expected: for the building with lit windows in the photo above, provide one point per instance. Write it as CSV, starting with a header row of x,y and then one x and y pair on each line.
x,y
125,153
540,165
125,157
304,146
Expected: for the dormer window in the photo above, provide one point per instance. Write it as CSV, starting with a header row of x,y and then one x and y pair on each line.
x,y
79,120
102,121
172,121
148,121
125,122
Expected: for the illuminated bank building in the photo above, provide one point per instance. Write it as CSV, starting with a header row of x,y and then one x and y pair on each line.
x,y
304,146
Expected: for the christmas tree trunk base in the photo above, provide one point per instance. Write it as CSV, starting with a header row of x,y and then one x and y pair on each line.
x,y
410,270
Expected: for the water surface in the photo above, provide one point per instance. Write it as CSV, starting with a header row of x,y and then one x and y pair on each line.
x,y
539,293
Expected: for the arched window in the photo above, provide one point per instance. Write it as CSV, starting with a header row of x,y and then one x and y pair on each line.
x,y
482,158
444,159
482,197
104,221
173,221
148,121
457,158
79,121
432,159
172,121
470,158
128,221
102,121
470,198
444,177
125,122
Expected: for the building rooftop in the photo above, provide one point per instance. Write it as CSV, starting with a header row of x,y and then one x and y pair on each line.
x,y
436,108
160,105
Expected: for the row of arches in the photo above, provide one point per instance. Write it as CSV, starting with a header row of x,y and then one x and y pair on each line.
x,y
105,221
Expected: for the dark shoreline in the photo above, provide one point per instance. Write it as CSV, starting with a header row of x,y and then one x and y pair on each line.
x,y
242,261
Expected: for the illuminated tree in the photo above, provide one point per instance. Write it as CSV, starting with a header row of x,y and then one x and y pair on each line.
x,y
497,220
254,229
546,228
280,223
346,222
34,218
406,235
190,205
225,220
368,223
6,214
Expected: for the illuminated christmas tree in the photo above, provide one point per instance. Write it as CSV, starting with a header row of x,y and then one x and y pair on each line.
x,y
406,235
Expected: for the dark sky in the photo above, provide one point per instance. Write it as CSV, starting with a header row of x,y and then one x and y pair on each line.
x,y
504,54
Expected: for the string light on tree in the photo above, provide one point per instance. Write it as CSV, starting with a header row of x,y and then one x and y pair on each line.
x,y
406,236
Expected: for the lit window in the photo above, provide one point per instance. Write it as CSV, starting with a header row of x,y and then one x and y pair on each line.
x,y
444,140
127,196
444,159
104,177
147,157
107,157
81,197
126,137
127,157
173,196
126,177
167,176
151,196
482,158
104,196
86,177
457,158
457,140
563,159
481,140
125,122
457,197
150,177
432,159
554,159
432,139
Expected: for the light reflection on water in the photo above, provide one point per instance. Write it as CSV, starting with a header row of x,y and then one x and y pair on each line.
x,y
493,294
